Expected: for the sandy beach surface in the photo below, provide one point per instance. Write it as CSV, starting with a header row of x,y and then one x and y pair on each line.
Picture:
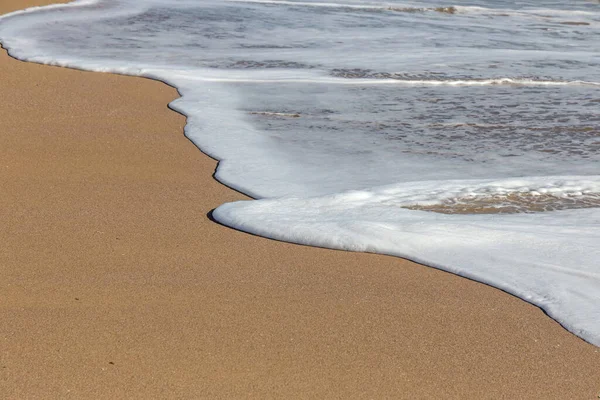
x,y
115,283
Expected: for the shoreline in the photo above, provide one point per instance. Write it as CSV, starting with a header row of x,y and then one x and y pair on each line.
x,y
117,284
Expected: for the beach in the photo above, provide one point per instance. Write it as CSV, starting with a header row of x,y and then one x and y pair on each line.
x,y
117,283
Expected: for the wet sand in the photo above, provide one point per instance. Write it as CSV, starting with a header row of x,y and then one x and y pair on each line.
x,y
116,284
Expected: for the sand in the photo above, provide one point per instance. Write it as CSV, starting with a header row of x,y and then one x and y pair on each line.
x,y
116,284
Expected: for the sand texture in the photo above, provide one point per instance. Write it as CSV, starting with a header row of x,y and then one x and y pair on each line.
x,y
115,283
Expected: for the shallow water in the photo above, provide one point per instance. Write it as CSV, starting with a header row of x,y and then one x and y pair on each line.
x,y
464,136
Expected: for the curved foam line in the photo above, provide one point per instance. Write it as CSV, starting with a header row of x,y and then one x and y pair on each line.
x,y
458,8
351,81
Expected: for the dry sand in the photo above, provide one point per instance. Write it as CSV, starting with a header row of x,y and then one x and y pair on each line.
x,y
115,284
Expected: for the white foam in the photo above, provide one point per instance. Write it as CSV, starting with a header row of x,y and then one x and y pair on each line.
x,y
548,259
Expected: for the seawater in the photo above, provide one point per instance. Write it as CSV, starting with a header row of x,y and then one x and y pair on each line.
x,y
463,135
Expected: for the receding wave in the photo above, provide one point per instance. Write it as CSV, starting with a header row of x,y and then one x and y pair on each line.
x,y
508,196
512,203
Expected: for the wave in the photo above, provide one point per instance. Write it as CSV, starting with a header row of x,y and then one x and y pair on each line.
x,y
445,9
410,82
546,258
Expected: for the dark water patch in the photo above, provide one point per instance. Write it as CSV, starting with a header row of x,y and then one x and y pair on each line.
x,y
358,73
263,64
266,46
443,10
274,114
574,23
